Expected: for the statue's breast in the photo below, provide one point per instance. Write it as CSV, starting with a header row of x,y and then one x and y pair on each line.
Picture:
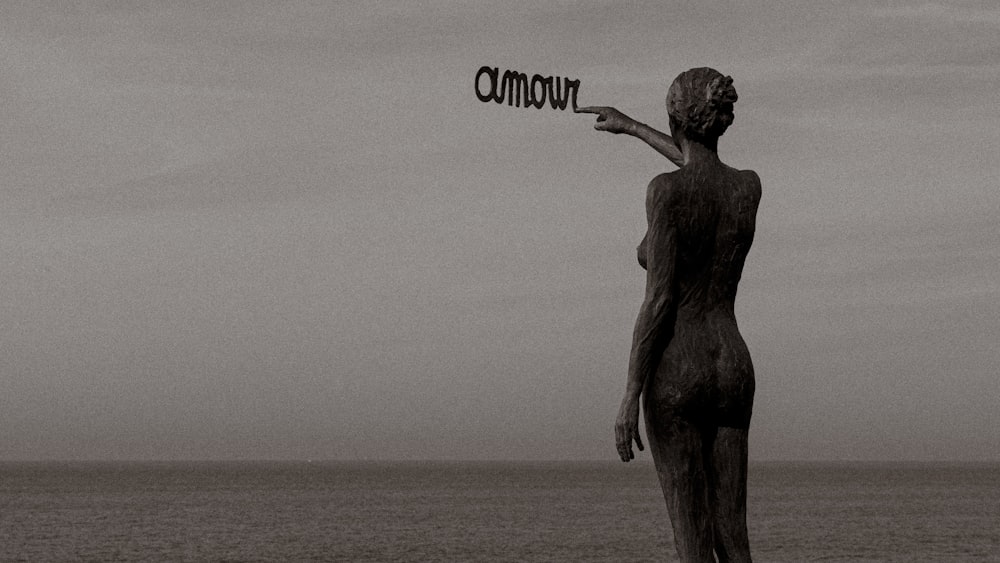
x,y
640,251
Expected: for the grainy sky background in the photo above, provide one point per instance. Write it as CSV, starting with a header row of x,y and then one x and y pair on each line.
x,y
290,230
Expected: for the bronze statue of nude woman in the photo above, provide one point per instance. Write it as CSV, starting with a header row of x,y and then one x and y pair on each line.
x,y
689,361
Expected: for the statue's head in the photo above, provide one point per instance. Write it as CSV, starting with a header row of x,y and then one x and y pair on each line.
x,y
700,103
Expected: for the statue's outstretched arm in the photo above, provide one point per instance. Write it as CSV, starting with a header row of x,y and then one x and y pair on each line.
x,y
611,120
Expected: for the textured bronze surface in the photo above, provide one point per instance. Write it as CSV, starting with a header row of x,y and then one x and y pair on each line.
x,y
689,362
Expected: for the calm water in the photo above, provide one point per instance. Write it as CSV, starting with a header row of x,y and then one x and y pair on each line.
x,y
560,511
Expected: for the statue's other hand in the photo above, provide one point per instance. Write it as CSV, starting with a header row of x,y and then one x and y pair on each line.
x,y
627,428
609,119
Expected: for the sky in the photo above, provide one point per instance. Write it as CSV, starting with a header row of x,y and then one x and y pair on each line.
x,y
292,231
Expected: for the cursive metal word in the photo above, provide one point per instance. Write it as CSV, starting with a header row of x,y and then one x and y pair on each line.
x,y
516,88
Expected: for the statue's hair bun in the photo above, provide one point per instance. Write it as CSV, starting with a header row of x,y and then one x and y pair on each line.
x,y
701,102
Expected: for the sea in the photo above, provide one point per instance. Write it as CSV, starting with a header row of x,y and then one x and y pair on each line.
x,y
479,511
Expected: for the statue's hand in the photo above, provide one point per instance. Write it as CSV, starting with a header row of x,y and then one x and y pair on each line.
x,y
627,428
609,119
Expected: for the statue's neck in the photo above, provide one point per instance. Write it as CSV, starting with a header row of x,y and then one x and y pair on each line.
x,y
697,151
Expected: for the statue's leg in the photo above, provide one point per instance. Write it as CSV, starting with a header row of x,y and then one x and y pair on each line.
x,y
677,447
728,475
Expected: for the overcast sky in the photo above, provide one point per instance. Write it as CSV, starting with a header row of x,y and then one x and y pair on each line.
x,y
291,230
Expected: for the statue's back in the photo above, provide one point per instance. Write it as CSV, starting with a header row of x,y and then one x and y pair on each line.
x,y
705,372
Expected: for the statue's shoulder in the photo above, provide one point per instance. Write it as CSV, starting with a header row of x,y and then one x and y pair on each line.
x,y
667,182
751,178
665,179
750,183
661,189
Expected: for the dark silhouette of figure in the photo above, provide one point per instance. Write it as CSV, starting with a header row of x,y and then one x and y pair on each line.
x,y
689,361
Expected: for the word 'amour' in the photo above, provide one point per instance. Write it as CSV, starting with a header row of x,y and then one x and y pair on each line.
x,y
516,88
